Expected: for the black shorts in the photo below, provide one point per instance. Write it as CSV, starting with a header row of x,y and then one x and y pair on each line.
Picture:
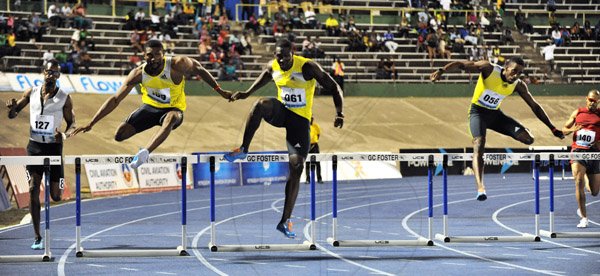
x,y
41,149
591,166
481,119
148,116
297,128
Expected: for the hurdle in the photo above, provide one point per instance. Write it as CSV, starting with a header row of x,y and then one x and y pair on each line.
x,y
46,161
420,241
551,233
552,149
215,247
180,250
526,237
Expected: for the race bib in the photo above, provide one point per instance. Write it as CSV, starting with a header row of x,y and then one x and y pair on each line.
x,y
160,95
585,138
490,99
293,97
43,125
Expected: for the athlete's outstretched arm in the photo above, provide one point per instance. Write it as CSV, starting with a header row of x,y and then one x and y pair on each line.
x,y
15,106
134,78
537,109
313,70
482,66
570,125
190,66
262,80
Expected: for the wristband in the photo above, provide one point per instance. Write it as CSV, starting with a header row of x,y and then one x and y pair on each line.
x,y
553,129
216,88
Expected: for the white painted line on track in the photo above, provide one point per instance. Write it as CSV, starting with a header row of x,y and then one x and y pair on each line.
x,y
394,234
514,255
360,229
368,257
376,231
447,263
514,248
558,258
338,270
502,267
165,273
295,266
578,254
96,265
218,259
129,269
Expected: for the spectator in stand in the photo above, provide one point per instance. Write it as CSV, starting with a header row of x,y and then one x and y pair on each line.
x,y
432,42
253,25
445,4
246,42
66,14
134,40
229,71
485,22
86,38
297,19
478,33
48,55
507,37
380,72
215,58
79,13
234,43
597,31
311,18
388,41
575,31
319,53
11,40
168,44
75,38
85,60
204,50
422,35
139,17
527,27
155,21
548,53
66,65
519,19
557,36
552,21
247,10
404,28
471,19
337,72
443,46
189,12
566,36
332,26
497,56
134,61
129,21
587,33
390,69
35,27
551,6
475,54
498,23
54,18
307,47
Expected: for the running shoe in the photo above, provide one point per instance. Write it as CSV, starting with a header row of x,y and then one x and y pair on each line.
x,y
286,229
481,196
38,244
235,154
140,158
579,213
583,223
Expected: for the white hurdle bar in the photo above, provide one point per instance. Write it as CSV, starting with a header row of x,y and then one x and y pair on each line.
x,y
551,233
46,161
215,247
333,240
180,250
562,162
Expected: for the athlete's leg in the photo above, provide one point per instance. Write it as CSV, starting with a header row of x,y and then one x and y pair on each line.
x,y
34,202
263,108
594,181
124,132
524,136
292,186
579,171
170,120
478,150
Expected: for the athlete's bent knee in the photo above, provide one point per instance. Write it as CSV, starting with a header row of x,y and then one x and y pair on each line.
x,y
525,137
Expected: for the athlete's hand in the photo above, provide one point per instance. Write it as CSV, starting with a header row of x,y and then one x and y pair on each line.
x,y
239,95
12,105
558,133
436,75
339,120
59,137
226,94
82,129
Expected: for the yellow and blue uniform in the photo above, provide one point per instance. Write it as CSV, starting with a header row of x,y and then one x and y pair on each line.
x,y
485,111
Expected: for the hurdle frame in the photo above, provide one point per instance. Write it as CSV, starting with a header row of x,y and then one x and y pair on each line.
x,y
213,246
551,233
180,250
552,149
526,237
420,241
46,161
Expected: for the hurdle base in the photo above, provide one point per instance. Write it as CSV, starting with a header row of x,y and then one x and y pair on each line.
x,y
131,253
369,243
306,245
478,239
26,258
575,235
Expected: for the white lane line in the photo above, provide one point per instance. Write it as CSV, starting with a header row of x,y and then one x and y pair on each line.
x,y
338,270
251,262
368,257
514,248
218,259
578,254
129,269
295,266
394,234
558,258
514,255
447,263
502,267
165,273
233,235
96,265
360,229
376,231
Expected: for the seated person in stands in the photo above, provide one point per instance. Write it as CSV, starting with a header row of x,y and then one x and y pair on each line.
x,y
332,26
134,40
252,24
443,46
519,19
204,49
66,65
507,37
388,41
557,36
404,27
229,71
86,39
575,31
597,31
297,19
311,18
85,61
587,33
566,36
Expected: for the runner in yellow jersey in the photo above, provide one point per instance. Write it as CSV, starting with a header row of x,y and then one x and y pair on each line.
x,y
295,78
494,84
162,81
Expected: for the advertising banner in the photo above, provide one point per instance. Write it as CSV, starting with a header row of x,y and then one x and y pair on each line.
x,y
111,179
498,165
161,177
225,173
419,168
21,82
265,173
98,84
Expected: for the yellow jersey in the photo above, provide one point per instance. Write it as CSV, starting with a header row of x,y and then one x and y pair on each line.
x,y
293,90
315,132
159,91
491,91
